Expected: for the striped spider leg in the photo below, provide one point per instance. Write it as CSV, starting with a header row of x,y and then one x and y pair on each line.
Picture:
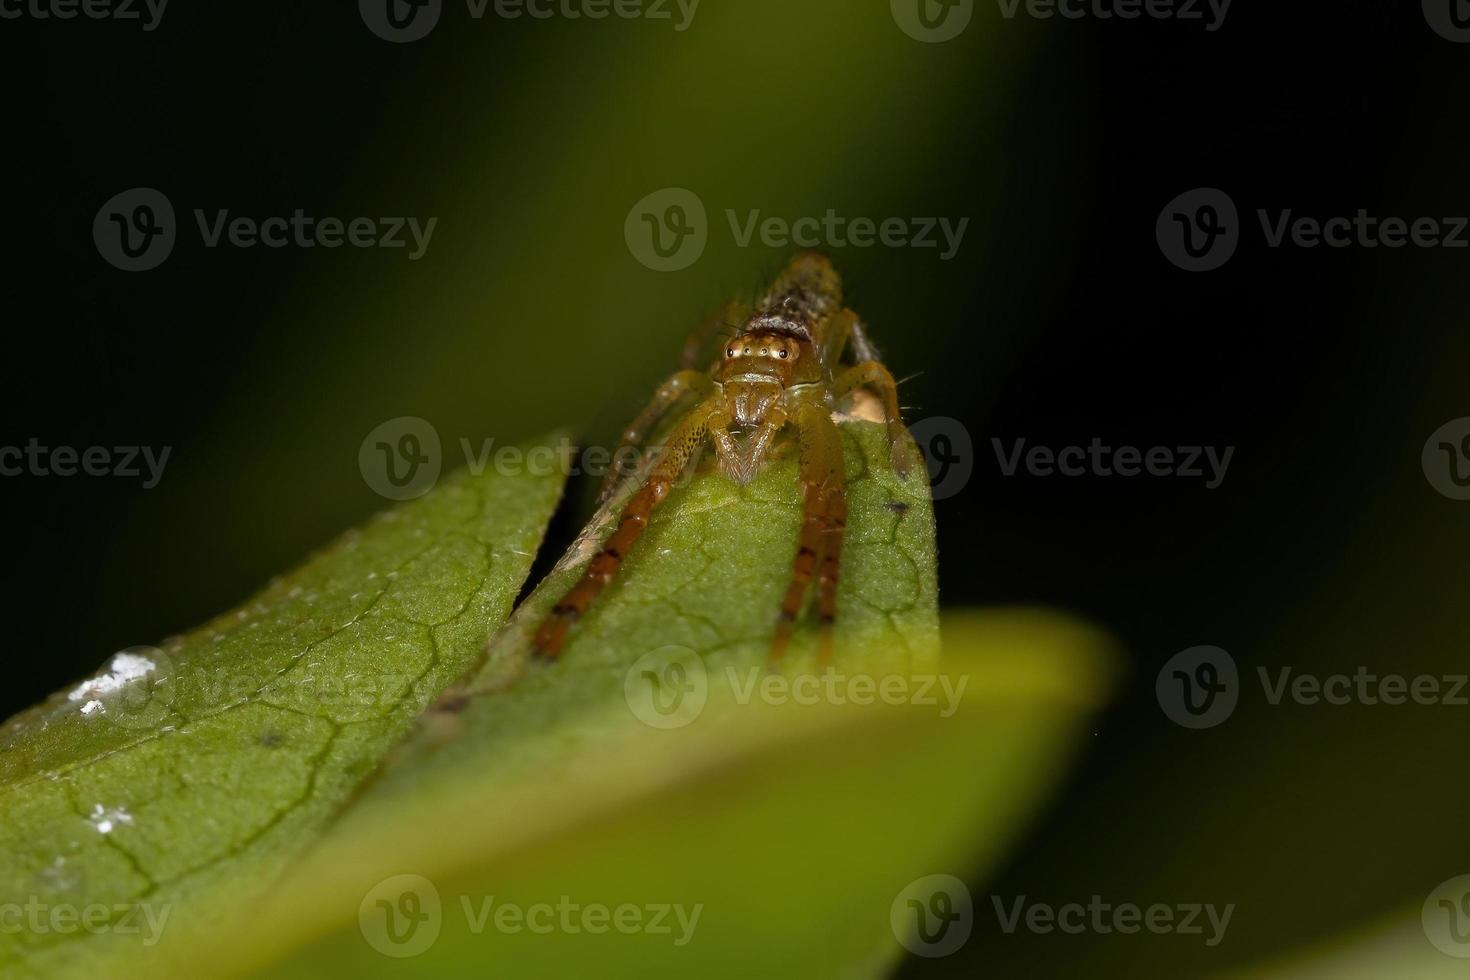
x,y
783,368
686,381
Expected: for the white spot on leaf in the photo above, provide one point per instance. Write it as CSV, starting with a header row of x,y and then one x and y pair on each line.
x,y
106,820
121,670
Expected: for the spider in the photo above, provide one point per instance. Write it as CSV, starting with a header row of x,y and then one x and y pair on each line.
x,y
782,367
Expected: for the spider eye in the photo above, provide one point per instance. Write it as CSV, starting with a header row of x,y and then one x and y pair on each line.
x,y
729,352
765,351
785,354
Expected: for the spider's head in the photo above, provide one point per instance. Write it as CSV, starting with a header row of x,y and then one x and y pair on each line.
x,y
777,347
755,371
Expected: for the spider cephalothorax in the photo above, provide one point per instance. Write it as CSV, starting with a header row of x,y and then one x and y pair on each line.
x,y
757,371
784,367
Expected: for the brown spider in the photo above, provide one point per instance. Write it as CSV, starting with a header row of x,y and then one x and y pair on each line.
x,y
782,367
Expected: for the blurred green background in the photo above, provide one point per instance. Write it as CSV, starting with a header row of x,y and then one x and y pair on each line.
x,y
1325,548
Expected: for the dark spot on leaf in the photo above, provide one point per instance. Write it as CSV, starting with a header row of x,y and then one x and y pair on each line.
x,y
452,703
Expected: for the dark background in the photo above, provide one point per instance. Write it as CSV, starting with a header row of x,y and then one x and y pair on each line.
x,y
1060,320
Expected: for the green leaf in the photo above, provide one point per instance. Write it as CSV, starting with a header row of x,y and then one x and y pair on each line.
x,y
792,825
178,783
792,829
1426,943
658,762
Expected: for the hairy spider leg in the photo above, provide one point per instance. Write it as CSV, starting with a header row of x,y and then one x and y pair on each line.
x,y
689,379
863,348
834,333
874,375
732,313
671,392
824,517
832,537
682,443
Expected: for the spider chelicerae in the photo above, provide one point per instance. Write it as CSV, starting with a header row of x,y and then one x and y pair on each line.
x,y
795,356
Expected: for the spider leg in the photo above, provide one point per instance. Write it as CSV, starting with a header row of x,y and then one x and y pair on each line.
x,y
678,385
862,346
830,566
836,331
876,376
682,443
728,316
824,517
